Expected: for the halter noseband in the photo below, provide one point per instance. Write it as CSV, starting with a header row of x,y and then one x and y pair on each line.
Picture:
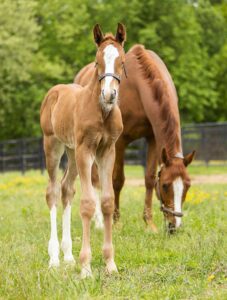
x,y
115,76
163,208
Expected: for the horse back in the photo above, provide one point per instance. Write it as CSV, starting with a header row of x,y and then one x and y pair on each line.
x,y
85,74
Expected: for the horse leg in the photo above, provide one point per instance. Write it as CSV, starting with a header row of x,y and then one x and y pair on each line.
x,y
106,165
84,161
118,176
150,173
53,152
98,217
68,191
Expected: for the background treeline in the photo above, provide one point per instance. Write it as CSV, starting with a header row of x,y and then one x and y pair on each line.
x,y
45,42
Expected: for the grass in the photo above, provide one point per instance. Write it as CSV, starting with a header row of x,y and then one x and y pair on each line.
x,y
191,264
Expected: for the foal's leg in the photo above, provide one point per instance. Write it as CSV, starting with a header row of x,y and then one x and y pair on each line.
x,y
106,163
68,192
98,217
118,176
84,161
150,173
53,152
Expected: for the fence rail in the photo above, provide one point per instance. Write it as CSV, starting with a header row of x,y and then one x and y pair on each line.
x,y
209,140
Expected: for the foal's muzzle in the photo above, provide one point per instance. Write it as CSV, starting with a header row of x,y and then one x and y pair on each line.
x,y
109,96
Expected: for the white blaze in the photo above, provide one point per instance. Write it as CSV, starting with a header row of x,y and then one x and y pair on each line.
x,y
178,189
110,54
98,217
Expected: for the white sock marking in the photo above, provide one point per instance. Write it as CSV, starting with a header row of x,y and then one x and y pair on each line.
x,y
178,188
53,246
66,243
98,217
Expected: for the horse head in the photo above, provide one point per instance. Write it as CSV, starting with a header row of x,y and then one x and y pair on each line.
x,y
110,58
172,185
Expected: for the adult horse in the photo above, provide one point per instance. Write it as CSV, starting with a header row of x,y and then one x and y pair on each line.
x,y
149,107
86,121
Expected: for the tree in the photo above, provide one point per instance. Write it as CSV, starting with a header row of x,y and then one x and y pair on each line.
x,y
18,43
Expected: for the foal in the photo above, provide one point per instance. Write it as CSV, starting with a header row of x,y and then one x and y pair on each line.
x,y
86,122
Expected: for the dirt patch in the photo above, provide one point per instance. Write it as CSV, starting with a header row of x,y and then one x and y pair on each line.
x,y
195,179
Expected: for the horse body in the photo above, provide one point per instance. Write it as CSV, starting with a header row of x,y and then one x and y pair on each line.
x,y
149,107
86,122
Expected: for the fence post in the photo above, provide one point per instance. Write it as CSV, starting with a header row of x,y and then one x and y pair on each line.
x,y
22,146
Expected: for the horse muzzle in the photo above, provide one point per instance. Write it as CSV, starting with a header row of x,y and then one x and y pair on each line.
x,y
109,96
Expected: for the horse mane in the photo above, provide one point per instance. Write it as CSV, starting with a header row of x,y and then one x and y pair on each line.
x,y
154,78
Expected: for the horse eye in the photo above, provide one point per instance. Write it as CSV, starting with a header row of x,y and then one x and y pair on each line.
x,y
165,187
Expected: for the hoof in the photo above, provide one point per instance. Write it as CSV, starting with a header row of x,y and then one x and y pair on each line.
x,y
151,226
111,267
54,263
86,272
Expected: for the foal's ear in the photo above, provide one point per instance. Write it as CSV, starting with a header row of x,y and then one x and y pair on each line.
x,y
98,35
165,157
188,158
121,34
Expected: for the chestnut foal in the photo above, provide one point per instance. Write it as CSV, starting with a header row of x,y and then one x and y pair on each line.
x,y
86,122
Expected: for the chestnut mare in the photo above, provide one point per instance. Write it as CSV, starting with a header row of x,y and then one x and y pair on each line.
x,y
149,107
86,122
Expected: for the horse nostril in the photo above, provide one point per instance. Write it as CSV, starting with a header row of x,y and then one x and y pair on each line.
x,y
113,94
171,228
103,94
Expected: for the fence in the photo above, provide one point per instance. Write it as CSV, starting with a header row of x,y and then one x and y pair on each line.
x,y
209,140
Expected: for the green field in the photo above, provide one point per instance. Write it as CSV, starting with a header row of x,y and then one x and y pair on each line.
x,y
191,264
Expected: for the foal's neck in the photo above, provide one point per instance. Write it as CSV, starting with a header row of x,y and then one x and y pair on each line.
x,y
95,89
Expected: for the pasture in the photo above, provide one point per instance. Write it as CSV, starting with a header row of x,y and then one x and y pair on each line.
x,y
191,264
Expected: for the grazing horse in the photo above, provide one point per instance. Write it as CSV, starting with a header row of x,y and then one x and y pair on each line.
x,y
149,107
86,122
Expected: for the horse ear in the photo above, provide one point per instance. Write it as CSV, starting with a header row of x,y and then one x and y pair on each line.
x,y
98,35
165,157
121,34
188,158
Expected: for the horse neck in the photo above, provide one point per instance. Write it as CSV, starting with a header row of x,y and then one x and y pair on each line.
x,y
93,96
164,118
93,91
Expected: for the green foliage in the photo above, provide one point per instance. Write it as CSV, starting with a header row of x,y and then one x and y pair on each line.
x,y
45,42
18,43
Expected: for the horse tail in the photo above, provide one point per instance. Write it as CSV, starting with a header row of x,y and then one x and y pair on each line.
x,y
46,110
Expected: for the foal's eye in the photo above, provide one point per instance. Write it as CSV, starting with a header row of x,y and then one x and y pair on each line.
x,y
165,187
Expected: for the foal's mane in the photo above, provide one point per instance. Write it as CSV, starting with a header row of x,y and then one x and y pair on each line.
x,y
161,93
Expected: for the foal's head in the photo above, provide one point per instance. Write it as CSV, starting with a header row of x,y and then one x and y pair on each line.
x,y
172,186
110,59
